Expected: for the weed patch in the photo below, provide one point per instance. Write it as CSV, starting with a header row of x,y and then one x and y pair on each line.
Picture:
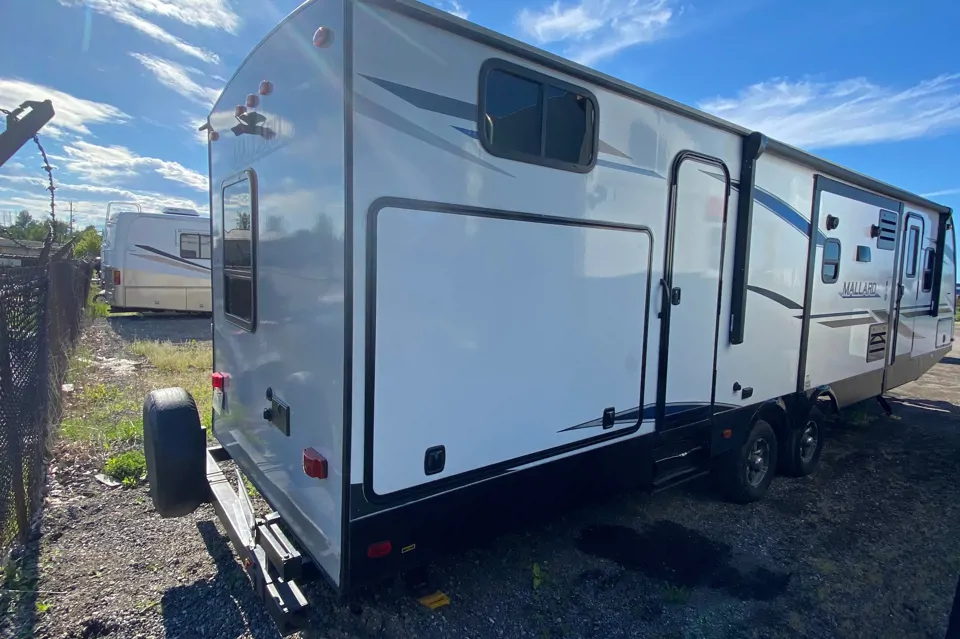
x,y
129,468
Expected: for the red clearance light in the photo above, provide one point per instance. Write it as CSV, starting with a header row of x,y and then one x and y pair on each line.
x,y
314,465
323,37
240,110
266,88
253,100
116,277
379,549
218,380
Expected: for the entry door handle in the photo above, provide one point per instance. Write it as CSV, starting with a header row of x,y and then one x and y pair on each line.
x,y
665,298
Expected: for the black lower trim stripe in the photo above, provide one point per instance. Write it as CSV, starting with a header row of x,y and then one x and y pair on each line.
x,y
776,297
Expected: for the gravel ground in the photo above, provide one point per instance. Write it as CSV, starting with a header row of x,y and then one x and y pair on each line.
x,y
867,547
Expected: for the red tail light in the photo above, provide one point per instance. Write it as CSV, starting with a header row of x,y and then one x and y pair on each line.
x,y
379,549
217,379
116,277
314,465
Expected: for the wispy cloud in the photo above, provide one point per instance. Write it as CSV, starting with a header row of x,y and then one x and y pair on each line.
x,y
452,6
942,192
89,206
99,164
73,114
177,77
213,14
851,112
592,30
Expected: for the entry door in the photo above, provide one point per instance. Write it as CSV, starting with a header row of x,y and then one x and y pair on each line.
x,y
909,291
690,290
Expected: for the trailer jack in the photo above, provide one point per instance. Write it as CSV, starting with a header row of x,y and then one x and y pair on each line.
x,y
270,559
885,405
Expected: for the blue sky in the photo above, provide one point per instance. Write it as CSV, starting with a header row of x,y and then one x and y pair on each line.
x,y
874,86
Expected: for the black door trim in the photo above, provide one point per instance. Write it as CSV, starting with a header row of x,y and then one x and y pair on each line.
x,y
665,306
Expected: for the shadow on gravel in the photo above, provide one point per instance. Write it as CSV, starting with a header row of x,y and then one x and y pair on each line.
x,y
216,607
173,328
681,557
20,602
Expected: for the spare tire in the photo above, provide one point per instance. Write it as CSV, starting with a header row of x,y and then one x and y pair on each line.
x,y
174,444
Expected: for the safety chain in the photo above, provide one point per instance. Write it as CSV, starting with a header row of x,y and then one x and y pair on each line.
x,y
51,188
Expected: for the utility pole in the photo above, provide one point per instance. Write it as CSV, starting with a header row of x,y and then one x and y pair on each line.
x,y
71,217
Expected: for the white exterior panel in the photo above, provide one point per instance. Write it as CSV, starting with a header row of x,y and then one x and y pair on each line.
x,y
296,344
500,338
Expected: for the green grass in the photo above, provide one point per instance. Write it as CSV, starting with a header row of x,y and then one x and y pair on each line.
x,y
128,468
169,357
676,594
108,414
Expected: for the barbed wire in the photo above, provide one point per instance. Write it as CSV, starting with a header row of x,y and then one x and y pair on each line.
x,y
49,169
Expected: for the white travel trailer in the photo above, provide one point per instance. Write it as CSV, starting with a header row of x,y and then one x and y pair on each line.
x,y
157,261
453,274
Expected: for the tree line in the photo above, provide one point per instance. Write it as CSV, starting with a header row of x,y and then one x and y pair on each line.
x,y
25,227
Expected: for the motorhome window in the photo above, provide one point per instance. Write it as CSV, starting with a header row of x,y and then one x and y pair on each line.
x,y
887,231
929,260
194,246
190,246
830,271
913,245
238,258
528,117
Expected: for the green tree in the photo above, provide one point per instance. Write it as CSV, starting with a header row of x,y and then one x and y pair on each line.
x,y
88,243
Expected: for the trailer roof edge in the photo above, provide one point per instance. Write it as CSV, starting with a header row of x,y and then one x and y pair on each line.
x,y
454,24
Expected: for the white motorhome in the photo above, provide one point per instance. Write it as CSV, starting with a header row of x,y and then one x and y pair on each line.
x,y
453,273
156,261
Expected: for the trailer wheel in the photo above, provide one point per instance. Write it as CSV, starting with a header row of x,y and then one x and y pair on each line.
x,y
803,446
174,445
748,470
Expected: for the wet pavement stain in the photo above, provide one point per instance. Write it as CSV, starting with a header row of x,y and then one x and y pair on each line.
x,y
680,556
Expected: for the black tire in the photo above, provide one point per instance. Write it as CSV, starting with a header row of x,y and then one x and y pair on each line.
x,y
800,454
174,444
742,479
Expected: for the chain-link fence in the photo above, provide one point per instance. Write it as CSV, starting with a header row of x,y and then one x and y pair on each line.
x,y
41,309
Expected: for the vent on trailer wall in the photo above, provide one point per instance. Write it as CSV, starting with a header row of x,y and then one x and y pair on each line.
x,y
170,210
887,234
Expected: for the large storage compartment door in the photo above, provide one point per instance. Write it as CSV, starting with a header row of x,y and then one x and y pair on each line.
x,y
691,289
496,340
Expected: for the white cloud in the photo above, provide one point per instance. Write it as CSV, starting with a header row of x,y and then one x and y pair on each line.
x,y
176,77
942,192
99,164
214,14
592,30
452,6
845,113
71,113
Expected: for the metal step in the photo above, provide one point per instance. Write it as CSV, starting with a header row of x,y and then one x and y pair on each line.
x,y
678,478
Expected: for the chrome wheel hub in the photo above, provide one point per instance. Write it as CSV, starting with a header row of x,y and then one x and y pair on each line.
x,y
758,462
809,440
